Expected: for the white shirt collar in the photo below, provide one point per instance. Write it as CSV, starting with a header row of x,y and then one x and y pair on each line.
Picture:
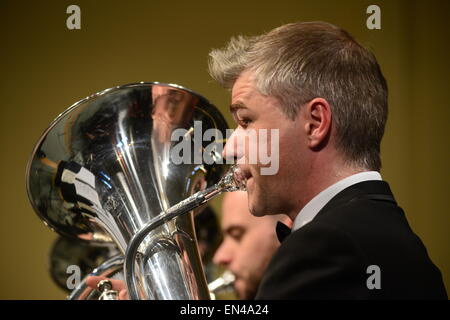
x,y
312,208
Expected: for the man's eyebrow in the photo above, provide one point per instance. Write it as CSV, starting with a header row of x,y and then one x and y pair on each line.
x,y
238,105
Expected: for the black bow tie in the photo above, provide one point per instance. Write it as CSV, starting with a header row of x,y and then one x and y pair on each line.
x,y
282,231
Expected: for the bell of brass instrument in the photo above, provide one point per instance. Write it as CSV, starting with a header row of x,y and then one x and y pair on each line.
x,y
103,172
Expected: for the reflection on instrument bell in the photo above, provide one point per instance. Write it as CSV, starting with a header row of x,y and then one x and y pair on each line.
x,y
103,172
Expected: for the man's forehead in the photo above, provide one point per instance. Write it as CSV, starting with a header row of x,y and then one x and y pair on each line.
x,y
236,215
235,208
242,87
244,90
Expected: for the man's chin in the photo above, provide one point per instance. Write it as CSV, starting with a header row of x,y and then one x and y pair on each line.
x,y
253,199
242,291
256,200
257,211
250,183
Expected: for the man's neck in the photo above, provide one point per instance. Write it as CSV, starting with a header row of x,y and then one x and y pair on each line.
x,y
319,180
316,204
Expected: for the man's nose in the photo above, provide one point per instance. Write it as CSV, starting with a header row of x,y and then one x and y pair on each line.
x,y
235,147
223,256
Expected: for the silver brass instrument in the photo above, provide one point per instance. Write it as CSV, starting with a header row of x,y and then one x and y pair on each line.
x,y
114,266
107,292
109,269
101,260
103,172
223,283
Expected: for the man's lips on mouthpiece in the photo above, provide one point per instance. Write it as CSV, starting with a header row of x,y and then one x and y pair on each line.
x,y
245,175
245,172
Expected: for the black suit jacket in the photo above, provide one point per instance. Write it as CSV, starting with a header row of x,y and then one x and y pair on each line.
x,y
328,258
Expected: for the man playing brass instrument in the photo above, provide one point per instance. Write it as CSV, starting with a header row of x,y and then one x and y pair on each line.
x,y
327,97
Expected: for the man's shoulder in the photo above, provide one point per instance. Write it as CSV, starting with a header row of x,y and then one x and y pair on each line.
x,y
376,229
367,212
375,223
364,214
342,242
315,262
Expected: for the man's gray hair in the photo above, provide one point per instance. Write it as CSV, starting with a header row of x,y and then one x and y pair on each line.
x,y
298,62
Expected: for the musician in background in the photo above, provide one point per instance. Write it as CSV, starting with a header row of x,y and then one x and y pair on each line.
x,y
248,244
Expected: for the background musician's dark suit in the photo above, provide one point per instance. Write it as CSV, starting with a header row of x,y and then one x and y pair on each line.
x,y
326,98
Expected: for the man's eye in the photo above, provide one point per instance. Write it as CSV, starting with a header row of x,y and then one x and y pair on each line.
x,y
236,235
244,122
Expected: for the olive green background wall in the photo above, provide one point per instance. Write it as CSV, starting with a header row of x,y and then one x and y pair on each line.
x,y
45,68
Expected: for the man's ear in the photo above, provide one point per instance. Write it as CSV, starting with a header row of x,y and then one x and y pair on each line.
x,y
317,116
